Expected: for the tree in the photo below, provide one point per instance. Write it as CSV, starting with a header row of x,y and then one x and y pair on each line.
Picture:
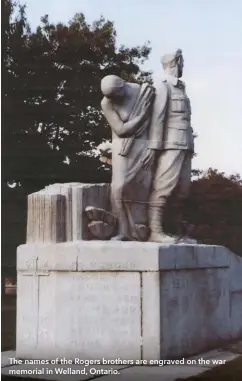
x,y
14,30
55,94
215,208
25,152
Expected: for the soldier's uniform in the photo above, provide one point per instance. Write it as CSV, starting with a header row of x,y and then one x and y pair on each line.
x,y
171,135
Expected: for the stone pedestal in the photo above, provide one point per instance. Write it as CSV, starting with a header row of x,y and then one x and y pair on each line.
x,y
129,300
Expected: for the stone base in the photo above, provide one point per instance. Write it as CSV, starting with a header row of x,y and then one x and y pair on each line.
x,y
128,300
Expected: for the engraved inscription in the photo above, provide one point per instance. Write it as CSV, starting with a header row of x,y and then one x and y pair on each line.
x,y
105,308
204,291
94,265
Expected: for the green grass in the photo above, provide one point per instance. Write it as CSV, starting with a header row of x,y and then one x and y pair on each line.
x,y
232,371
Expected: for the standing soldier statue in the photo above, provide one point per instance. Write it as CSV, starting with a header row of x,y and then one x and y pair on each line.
x,y
170,146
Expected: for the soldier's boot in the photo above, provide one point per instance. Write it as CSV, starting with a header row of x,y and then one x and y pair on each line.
x,y
156,214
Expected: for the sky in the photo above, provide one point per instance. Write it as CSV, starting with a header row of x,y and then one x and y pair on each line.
x,y
209,32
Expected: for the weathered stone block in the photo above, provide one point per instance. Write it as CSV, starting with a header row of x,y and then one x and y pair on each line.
x,y
84,195
57,213
131,300
46,217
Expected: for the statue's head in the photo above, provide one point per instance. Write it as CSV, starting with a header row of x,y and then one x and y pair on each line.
x,y
112,87
173,63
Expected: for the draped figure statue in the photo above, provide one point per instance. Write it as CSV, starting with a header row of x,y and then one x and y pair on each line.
x,y
127,108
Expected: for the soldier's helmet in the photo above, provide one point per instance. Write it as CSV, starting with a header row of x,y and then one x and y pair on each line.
x,y
171,59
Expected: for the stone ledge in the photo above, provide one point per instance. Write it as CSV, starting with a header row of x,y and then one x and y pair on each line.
x,y
119,256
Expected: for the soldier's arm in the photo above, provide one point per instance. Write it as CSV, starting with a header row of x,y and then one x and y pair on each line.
x,y
156,129
120,128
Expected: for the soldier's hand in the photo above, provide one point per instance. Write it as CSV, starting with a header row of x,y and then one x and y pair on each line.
x,y
149,159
